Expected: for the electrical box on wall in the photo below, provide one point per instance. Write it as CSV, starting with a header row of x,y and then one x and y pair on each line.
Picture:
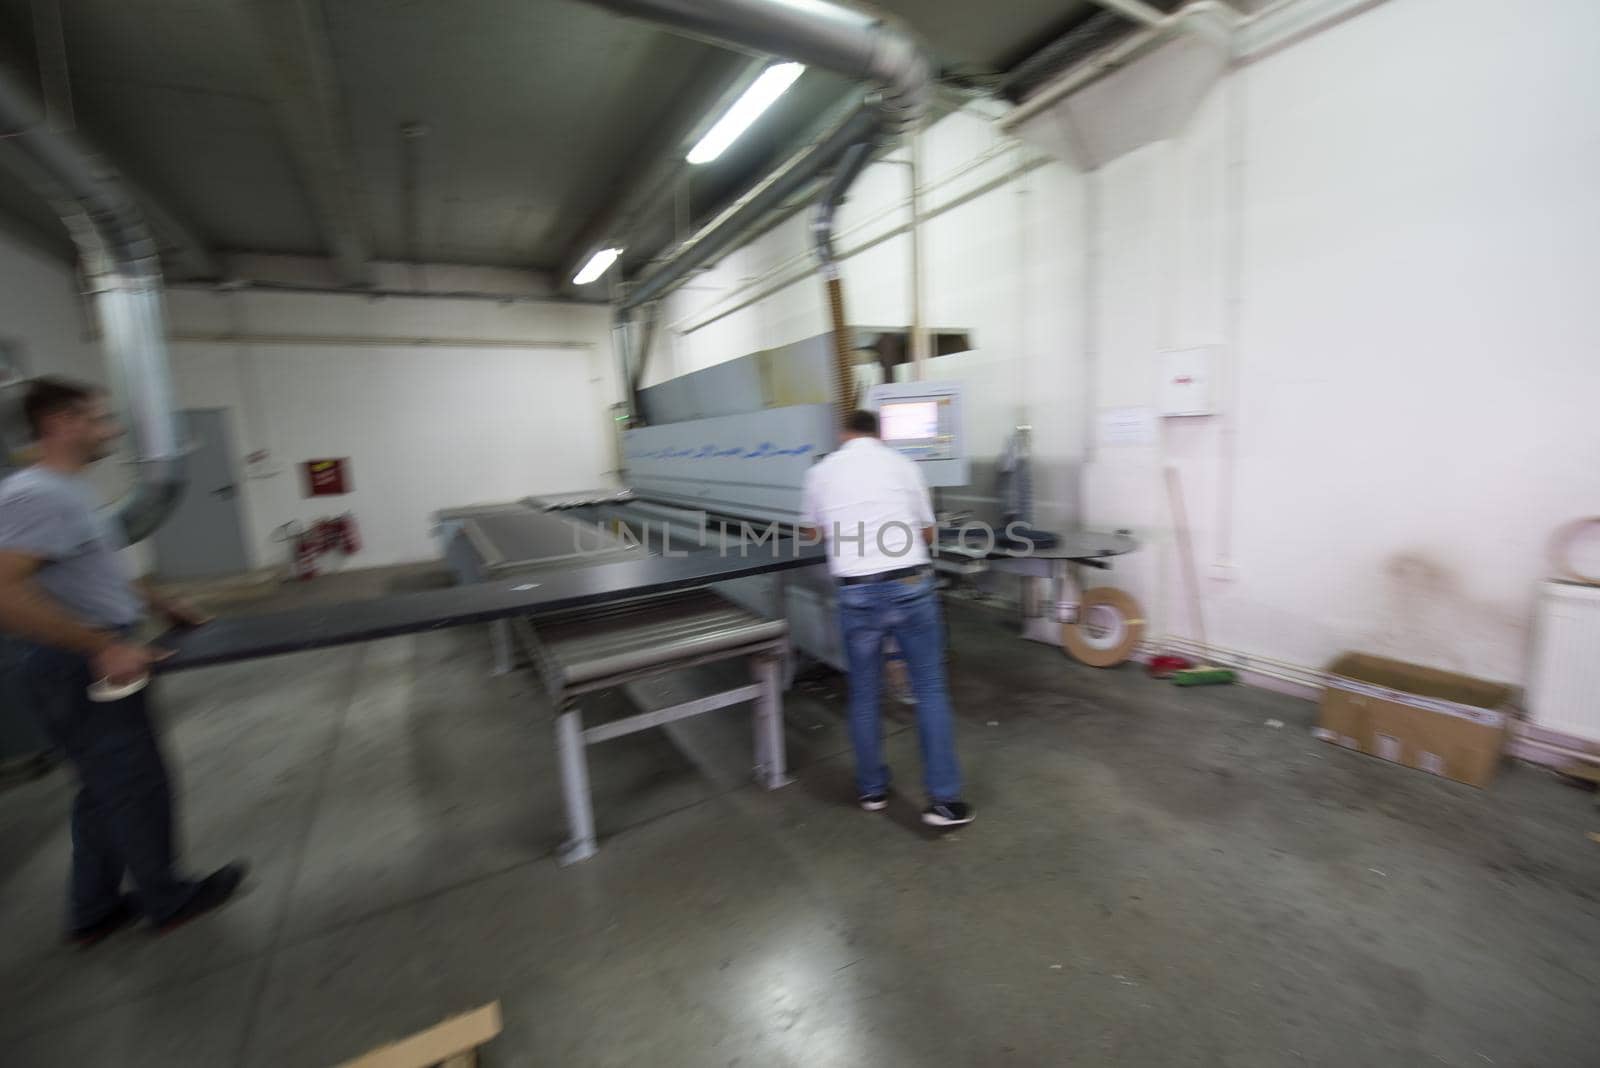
x,y
1185,382
327,478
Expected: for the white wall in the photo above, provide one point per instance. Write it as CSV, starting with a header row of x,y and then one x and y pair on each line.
x,y
1398,280
1388,230
473,400
1424,333
517,405
41,314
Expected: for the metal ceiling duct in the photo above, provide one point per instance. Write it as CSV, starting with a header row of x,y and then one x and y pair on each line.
x,y
735,222
855,160
122,268
814,32
818,34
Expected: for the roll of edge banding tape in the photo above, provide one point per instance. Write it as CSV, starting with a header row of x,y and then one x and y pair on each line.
x,y
1115,643
105,692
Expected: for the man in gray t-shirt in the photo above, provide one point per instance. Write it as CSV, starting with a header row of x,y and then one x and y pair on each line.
x,y
52,517
65,592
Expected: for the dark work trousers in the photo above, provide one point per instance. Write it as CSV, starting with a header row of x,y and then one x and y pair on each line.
x,y
122,817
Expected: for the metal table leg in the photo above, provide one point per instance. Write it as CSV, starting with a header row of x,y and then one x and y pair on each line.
x,y
505,659
570,747
771,761
780,610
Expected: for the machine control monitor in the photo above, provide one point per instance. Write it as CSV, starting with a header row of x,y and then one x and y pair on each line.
x,y
911,420
916,429
922,421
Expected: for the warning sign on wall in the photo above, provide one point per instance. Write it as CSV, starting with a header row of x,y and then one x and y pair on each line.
x,y
327,478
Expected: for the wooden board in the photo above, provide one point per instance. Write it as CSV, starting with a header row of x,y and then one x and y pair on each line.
x,y
453,1042
1586,772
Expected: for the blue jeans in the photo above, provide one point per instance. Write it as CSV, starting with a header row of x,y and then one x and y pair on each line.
x,y
908,609
122,816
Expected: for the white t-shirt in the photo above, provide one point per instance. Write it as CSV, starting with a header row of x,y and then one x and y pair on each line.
x,y
871,505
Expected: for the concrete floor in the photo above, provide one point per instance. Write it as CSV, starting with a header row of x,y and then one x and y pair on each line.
x,y
1156,878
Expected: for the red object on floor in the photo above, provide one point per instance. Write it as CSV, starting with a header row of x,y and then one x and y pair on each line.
x,y
324,536
1163,666
349,534
305,557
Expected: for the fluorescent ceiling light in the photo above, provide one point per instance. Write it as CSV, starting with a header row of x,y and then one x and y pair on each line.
x,y
761,95
598,265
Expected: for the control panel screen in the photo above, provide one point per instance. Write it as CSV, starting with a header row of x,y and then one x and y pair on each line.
x,y
922,422
909,420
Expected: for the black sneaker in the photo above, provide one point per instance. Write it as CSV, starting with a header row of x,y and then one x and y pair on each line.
x,y
126,912
873,802
212,893
947,814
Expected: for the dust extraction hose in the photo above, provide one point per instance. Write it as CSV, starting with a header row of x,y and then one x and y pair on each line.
x,y
844,353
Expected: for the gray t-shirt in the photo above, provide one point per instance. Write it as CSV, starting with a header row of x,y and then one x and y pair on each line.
x,y
55,518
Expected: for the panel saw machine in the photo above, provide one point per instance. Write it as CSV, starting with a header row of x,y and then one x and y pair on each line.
x,y
717,474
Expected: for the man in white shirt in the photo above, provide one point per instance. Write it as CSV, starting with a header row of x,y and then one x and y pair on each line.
x,y
871,506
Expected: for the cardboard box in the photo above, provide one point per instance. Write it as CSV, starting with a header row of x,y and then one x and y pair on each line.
x,y
1434,721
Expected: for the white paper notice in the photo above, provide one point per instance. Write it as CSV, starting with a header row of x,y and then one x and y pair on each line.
x,y
1127,426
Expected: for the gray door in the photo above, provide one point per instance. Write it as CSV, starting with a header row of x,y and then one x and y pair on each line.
x,y
205,535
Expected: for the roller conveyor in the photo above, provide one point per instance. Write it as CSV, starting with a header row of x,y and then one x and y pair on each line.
x,y
507,543
586,499
582,649
587,650
520,544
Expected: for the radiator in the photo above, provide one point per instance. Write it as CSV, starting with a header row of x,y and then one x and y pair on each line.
x,y
1564,688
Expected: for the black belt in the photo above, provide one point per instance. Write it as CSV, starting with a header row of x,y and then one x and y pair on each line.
x,y
884,576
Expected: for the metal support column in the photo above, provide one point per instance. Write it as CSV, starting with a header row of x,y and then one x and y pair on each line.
x,y
570,747
1051,596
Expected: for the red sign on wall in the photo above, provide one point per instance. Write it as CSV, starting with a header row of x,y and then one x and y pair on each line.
x,y
326,478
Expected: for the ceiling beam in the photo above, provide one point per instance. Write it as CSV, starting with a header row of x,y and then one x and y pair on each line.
x,y
658,158
306,99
